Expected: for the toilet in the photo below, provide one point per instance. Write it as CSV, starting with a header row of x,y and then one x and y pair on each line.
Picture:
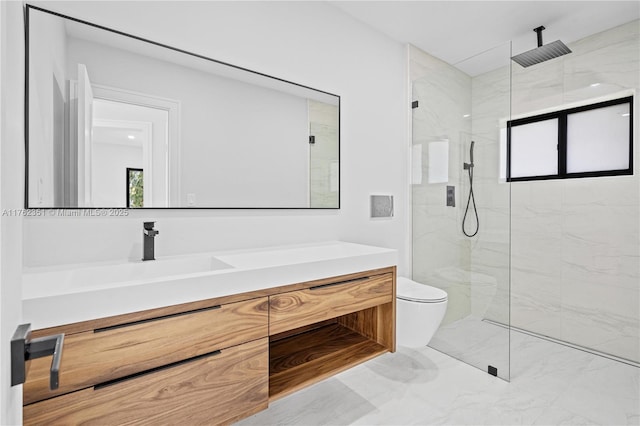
x,y
419,311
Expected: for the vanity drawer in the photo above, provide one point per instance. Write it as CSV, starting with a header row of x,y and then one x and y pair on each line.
x,y
90,358
303,307
217,388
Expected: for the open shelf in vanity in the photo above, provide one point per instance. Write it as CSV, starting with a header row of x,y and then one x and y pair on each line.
x,y
337,325
300,360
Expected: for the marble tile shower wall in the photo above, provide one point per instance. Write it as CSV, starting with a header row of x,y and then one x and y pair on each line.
x,y
575,251
444,96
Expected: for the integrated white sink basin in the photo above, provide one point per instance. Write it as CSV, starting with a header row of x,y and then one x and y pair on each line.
x,y
40,282
173,266
56,295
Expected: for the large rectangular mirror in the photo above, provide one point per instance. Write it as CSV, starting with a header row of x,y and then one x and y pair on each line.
x,y
118,121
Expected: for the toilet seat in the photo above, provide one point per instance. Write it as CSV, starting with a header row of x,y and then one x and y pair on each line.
x,y
421,293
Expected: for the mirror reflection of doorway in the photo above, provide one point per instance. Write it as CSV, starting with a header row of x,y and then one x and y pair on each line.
x,y
116,129
136,133
135,188
118,145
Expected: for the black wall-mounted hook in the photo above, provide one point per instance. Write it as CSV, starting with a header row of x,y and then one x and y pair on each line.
x,y
24,348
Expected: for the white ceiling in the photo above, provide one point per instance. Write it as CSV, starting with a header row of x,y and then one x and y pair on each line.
x,y
457,30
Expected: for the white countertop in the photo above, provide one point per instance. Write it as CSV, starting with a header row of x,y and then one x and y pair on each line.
x,y
71,293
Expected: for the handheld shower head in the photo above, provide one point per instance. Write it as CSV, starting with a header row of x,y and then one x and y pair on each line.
x,y
467,166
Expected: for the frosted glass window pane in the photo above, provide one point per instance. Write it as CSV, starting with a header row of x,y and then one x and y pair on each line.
x,y
598,139
534,149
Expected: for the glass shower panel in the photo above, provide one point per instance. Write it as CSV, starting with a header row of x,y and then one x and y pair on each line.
x,y
459,107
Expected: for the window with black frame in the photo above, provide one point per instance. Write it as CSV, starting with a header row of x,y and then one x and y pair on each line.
x,y
586,141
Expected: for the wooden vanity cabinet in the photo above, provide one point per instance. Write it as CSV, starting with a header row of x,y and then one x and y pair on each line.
x,y
215,388
202,366
107,353
213,361
295,309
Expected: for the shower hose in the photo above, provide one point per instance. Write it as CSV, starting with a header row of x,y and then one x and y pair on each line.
x,y
471,200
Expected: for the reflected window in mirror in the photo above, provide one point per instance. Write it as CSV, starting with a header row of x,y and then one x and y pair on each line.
x,y
135,188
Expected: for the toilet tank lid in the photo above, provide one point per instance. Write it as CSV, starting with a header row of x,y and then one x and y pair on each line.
x,y
416,292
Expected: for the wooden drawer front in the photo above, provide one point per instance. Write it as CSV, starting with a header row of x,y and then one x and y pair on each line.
x,y
90,358
299,308
212,389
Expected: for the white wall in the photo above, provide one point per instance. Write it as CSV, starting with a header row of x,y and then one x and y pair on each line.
x,y
47,94
283,39
11,197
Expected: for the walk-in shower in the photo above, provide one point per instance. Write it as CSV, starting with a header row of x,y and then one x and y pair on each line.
x,y
556,256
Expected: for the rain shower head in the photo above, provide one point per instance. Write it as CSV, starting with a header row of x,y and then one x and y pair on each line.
x,y
541,53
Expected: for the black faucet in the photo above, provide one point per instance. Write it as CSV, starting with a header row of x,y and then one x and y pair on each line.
x,y
148,235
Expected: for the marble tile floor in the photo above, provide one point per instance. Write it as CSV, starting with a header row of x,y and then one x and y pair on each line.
x,y
551,384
